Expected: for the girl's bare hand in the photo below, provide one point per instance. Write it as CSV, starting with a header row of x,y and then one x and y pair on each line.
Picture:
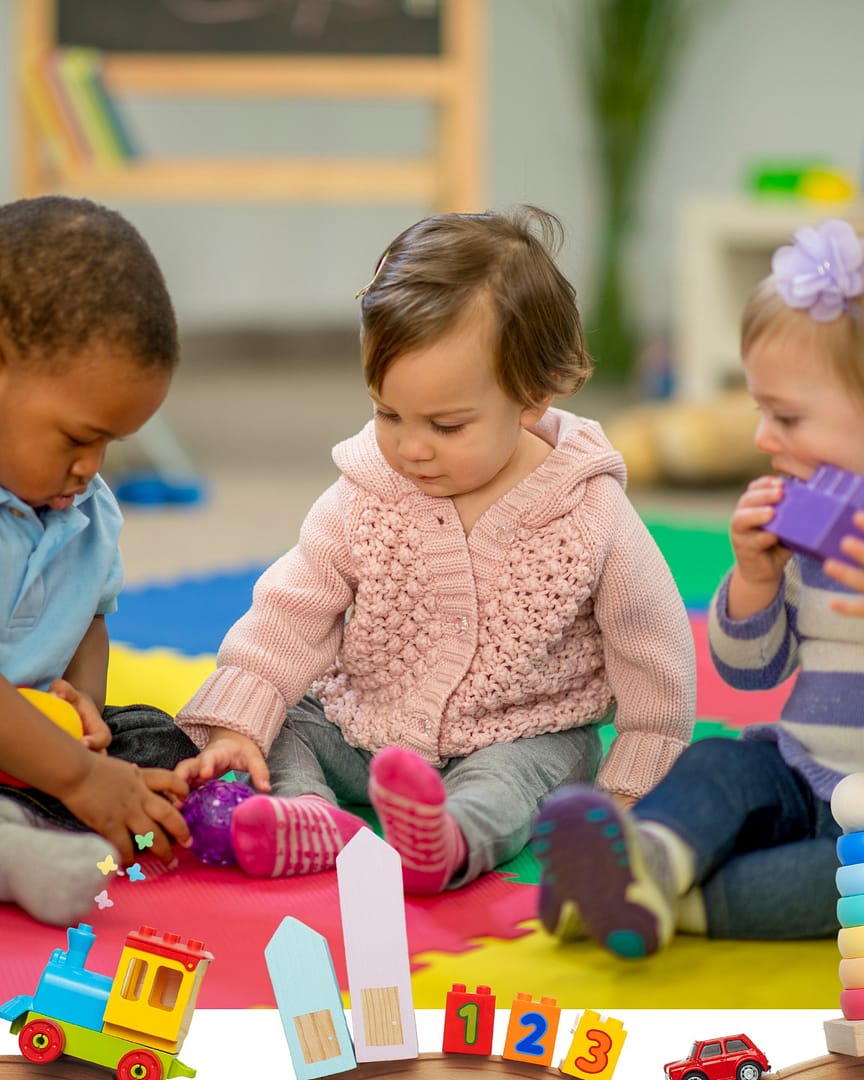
x,y
226,750
759,556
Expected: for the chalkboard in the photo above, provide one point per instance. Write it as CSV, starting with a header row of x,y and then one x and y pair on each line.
x,y
307,27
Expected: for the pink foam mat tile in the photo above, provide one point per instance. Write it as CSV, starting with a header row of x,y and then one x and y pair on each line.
x,y
717,701
235,916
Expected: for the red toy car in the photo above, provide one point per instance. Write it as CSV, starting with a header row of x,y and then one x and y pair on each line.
x,y
735,1057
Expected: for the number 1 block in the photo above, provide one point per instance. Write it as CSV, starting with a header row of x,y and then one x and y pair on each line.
x,y
593,1054
469,1020
532,1029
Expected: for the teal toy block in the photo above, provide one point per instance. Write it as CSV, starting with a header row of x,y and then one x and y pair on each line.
x,y
309,1002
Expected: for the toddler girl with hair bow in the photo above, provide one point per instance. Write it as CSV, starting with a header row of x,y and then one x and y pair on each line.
x,y
738,841
469,600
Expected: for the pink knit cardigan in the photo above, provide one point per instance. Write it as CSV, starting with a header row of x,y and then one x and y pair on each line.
x,y
555,607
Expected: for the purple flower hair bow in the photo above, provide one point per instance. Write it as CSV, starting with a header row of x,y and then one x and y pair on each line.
x,y
822,269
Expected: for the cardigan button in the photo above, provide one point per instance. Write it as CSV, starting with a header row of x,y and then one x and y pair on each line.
x,y
506,534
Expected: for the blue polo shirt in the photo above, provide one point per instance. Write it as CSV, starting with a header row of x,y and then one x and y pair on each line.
x,y
58,569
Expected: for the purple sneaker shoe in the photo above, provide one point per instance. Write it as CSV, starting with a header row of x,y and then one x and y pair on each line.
x,y
601,874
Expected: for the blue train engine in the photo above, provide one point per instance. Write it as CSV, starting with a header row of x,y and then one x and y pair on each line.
x,y
134,1023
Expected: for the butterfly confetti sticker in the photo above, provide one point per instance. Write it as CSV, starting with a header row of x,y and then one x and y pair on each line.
x,y
103,900
135,873
144,841
107,865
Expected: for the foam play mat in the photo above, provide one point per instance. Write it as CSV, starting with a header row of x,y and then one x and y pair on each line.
x,y
165,636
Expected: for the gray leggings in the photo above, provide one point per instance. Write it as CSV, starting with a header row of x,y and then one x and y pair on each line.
x,y
492,793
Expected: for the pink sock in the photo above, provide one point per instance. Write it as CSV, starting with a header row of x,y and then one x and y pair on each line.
x,y
409,798
276,837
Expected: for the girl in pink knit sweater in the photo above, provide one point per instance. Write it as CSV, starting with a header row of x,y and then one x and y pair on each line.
x,y
468,602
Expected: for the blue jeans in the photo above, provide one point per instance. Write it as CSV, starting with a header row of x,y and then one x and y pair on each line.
x,y
492,793
764,844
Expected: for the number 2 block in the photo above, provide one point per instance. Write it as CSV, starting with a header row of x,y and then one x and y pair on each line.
x,y
469,1020
593,1054
532,1029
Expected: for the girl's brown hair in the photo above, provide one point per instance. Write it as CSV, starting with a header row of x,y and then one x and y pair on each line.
x,y
433,269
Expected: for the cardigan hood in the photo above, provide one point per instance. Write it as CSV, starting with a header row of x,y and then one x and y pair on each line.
x,y
580,450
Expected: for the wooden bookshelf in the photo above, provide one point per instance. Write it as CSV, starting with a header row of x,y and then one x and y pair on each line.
x,y
451,176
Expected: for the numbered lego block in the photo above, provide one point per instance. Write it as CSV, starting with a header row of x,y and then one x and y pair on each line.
x,y
531,1030
596,1046
309,1001
372,901
469,1021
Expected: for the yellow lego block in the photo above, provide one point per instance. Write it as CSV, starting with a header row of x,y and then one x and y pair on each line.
x,y
595,1049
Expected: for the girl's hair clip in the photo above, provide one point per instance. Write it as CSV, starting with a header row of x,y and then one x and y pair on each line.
x,y
369,284
821,270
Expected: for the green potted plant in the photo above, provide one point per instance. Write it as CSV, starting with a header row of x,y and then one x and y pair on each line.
x,y
629,56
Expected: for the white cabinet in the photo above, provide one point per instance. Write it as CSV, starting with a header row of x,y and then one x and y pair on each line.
x,y
725,249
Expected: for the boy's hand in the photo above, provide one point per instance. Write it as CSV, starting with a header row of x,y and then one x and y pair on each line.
x,y
117,800
226,750
850,576
759,557
97,734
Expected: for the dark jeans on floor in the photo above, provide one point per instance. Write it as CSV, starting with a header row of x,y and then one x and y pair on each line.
x,y
139,733
765,845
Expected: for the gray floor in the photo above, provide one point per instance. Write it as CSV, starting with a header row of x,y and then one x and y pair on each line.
x,y
258,417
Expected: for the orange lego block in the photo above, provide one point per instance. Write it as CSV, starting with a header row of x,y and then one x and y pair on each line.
x,y
469,1020
532,1029
595,1049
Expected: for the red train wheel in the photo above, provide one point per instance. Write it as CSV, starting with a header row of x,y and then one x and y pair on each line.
x,y
139,1065
41,1041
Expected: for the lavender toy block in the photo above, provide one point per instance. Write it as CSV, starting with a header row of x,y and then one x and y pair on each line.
x,y
813,517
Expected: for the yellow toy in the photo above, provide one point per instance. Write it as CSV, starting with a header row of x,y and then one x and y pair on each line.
x,y
679,442
64,715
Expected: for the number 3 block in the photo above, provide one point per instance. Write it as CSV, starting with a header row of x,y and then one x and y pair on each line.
x,y
532,1029
469,1020
596,1045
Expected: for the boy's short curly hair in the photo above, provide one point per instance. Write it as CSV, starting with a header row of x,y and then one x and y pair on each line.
x,y
433,269
72,272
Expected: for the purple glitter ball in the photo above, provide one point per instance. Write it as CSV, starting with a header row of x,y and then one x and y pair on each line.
x,y
208,813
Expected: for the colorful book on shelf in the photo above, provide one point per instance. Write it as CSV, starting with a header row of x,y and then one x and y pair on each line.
x,y
80,71
112,113
63,141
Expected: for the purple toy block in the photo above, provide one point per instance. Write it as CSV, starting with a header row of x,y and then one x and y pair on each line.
x,y
813,517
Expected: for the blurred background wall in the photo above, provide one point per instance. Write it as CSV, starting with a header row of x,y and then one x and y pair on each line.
x,y
758,79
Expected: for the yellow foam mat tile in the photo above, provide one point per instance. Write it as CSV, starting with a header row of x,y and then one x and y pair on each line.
x,y
157,677
692,973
